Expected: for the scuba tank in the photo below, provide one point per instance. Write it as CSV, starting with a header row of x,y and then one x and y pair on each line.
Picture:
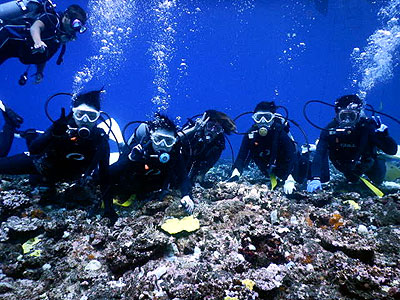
x,y
23,8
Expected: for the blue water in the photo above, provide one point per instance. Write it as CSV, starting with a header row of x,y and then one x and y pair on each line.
x,y
183,57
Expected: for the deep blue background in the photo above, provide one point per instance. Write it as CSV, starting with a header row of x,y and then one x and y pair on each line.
x,y
235,58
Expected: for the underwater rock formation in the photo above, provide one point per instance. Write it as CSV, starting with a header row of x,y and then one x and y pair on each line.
x,y
253,243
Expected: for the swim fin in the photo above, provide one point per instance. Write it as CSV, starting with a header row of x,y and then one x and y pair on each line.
x,y
372,187
274,183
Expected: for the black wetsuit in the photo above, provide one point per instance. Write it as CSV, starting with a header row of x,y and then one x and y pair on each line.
x,y
142,173
62,157
16,40
202,154
274,153
352,151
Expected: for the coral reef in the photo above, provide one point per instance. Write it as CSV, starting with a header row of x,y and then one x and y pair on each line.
x,y
253,243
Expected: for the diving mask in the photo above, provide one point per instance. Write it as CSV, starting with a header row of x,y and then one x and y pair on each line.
x,y
87,115
348,116
263,117
78,26
214,127
163,140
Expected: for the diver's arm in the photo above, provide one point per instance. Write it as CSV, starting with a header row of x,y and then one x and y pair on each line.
x,y
288,152
182,175
319,165
36,30
41,142
104,178
385,142
241,159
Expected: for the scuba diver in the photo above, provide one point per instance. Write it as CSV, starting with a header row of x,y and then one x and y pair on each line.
x,y
350,141
72,148
151,161
206,140
270,145
34,35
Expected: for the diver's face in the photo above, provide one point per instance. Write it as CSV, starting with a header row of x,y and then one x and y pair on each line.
x,y
162,140
85,116
71,27
212,130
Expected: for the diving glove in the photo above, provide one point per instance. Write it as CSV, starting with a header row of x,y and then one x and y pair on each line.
x,y
60,126
314,185
235,175
380,127
187,204
289,185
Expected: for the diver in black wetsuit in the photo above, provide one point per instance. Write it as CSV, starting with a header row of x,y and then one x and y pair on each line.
x,y
71,149
151,161
351,141
269,144
36,40
206,141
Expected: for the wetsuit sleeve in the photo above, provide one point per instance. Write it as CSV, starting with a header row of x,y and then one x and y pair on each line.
x,y
40,143
104,170
185,185
213,157
286,155
244,152
50,22
320,164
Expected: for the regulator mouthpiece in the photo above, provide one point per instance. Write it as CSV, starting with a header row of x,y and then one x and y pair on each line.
x,y
164,158
263,131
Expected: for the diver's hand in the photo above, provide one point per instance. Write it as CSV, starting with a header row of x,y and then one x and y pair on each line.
x,y
39,47
314,185
60,126
380,127
289,186
38,77
235,175
201,122
187,204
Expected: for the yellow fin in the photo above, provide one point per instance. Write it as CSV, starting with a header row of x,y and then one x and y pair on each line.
x,y
174,225
28,245
353,204
373,188
274,183
231,298
249,283
127,203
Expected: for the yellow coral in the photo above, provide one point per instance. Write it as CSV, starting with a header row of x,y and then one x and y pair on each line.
x,y
249,283
174,225
28,245
353,204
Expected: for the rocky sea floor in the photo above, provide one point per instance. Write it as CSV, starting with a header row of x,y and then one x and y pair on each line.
x,y
253,243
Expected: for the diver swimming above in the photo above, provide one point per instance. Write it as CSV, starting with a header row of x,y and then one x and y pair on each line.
x,y
270,145
152,161
351,141
205,139
34,38
70,149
